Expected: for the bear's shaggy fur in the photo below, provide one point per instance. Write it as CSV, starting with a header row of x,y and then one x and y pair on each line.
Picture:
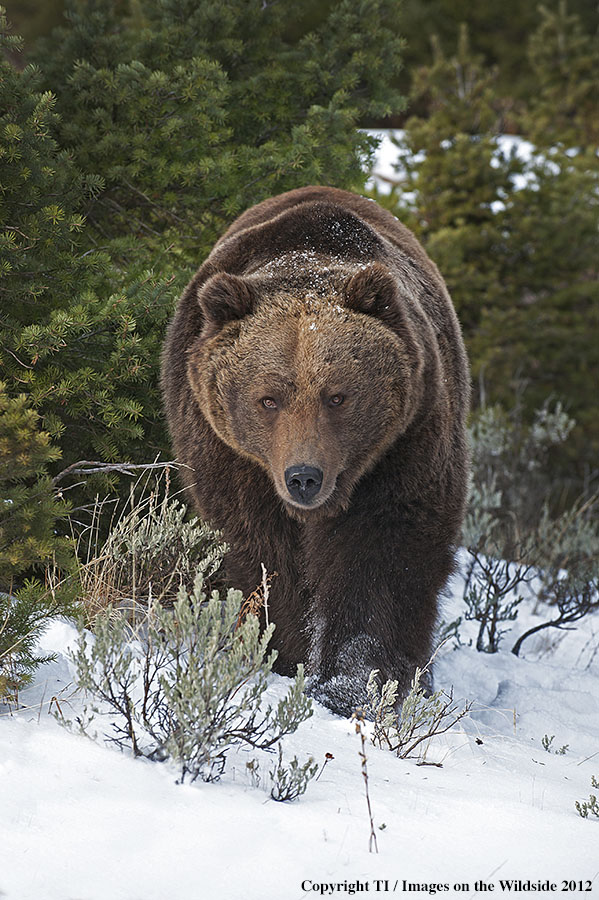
x,y
318,337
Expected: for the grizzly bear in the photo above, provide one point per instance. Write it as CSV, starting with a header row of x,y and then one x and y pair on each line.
x,y
316,387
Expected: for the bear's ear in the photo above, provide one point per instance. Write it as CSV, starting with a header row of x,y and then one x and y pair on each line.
x,y
373,291
223,299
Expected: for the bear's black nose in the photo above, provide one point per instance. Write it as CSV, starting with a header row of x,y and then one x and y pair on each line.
x,y
303,482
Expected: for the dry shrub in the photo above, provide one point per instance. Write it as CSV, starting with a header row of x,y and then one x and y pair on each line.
x,y
423,716
152,551
186,683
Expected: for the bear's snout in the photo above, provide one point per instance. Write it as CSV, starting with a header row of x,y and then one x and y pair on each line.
x,y
303,483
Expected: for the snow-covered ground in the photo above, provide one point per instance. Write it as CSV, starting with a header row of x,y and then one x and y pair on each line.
x,y
82,821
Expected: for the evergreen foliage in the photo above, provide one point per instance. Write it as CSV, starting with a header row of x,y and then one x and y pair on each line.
x,y
41,195
564,57
540,333
193,112
32,18
499,32
516,239
23,619
452,176
77,336
29,508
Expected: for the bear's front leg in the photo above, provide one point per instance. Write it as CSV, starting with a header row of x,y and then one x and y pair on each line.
x,y
374,589
235,495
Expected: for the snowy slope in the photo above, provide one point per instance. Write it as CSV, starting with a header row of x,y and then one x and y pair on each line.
x,y
81,821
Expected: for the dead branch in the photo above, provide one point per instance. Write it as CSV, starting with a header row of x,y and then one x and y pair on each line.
x,y
89,467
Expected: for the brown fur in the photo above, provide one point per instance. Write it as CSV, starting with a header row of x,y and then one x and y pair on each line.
x,y
313,295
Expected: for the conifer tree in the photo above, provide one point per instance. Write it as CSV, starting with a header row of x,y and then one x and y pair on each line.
x,y
564,58
192,112
498,31
29,507
30,515
455,176
69,333
35,246
519,253
542,336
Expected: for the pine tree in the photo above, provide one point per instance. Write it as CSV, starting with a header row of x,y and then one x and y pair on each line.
x,y
498,31
455,176
77,336
29,507
192,112
24,616
30,513
35,245
41,192
541,337
519,253
564,58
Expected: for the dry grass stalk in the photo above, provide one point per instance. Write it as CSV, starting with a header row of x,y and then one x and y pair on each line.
x,y
359,718
151,551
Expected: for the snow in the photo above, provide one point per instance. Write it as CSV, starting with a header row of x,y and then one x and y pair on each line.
x,y
81,820
388,169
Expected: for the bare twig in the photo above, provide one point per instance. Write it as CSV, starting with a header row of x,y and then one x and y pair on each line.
x,y
89,467
573,602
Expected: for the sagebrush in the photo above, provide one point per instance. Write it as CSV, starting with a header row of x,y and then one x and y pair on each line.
x,y
591,805
423,715
153,548
186,683
514,531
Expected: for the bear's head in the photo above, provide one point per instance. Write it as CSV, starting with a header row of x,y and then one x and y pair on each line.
x,y
314,389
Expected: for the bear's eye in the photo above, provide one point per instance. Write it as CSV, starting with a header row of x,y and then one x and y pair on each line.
x,y
269,403
336,400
